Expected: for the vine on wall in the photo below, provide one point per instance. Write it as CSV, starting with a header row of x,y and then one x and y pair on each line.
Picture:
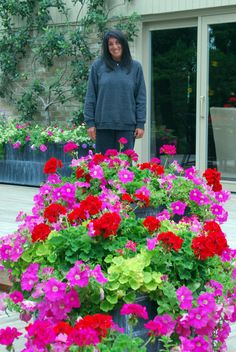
x,y
44,65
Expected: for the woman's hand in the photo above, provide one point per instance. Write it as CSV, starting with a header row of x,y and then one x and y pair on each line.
x,y
92,133
138,133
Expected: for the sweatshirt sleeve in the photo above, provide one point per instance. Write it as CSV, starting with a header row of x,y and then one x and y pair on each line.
x,y
140,99
91,98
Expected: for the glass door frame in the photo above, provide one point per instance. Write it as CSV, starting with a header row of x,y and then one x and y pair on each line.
x,y
202,107
201,21
146,38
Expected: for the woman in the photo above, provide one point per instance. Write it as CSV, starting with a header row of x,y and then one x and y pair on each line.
x,y
115,103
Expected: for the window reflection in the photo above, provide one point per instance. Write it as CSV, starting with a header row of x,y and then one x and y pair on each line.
x,y
173,109
222,99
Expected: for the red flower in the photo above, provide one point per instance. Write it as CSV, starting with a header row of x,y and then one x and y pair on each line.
x,y
62,328
91,205
98,322
107,225
213,179
144,199
53,211
170,241
79,172
40,232
76,216
126,197
51,165
210,243
151,223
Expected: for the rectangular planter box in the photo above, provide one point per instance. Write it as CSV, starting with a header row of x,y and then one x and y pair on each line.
x,y
24,166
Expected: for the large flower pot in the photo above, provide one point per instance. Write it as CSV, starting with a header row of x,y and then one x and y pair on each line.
x,y
24,166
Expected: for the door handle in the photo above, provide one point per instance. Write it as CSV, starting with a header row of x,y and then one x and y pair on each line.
x,y
202,106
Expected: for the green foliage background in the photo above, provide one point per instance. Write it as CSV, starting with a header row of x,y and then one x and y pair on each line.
x,y
44,65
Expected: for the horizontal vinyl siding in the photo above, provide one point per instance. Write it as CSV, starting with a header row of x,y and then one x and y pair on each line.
x,y
149,7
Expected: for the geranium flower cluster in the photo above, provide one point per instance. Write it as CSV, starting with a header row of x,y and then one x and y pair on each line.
x,y
113,228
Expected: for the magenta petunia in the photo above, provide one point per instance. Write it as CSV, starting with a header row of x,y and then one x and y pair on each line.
x,y
178,207
125,175
185,297
54,290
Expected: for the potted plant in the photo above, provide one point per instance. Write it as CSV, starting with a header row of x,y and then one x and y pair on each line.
x,y
27,146
84,258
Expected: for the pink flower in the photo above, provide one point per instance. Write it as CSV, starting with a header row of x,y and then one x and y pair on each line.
x,y
78,275
123,140
207,301
16,296
134,309
16,145
125,175
96,172
178,207
98,274
41,333
43,148
72,299
184,296
161,325
69,147
168,149
27,138
151,243
131,245
54,290
198,317
8,335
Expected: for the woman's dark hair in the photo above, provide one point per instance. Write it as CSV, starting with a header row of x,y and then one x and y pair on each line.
x,y
126,59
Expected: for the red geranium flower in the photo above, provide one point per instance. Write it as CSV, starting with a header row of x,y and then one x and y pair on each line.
x,y
99,322
40,232
213,179
53,211
151,223
170,241
107,225
126,197
62,328
51,165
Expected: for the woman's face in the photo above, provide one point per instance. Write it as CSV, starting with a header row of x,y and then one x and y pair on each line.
x,y
115,48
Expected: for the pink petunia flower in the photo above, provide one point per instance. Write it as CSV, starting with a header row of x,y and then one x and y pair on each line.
x,y
178,207
54,290
125,175
185,297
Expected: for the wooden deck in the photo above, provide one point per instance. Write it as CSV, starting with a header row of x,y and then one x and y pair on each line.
x,y
18,198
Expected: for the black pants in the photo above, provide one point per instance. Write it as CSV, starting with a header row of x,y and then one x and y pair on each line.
x,y
108,139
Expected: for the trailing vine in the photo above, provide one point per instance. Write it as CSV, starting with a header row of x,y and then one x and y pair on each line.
x,y
45,64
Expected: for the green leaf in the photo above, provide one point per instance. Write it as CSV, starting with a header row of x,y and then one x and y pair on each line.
x,y
113,299
147,277
42,250
106,306
113,285
134,284
130,297
52,257
27,257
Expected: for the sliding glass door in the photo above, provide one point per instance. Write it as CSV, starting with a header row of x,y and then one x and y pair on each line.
x,y
193,92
